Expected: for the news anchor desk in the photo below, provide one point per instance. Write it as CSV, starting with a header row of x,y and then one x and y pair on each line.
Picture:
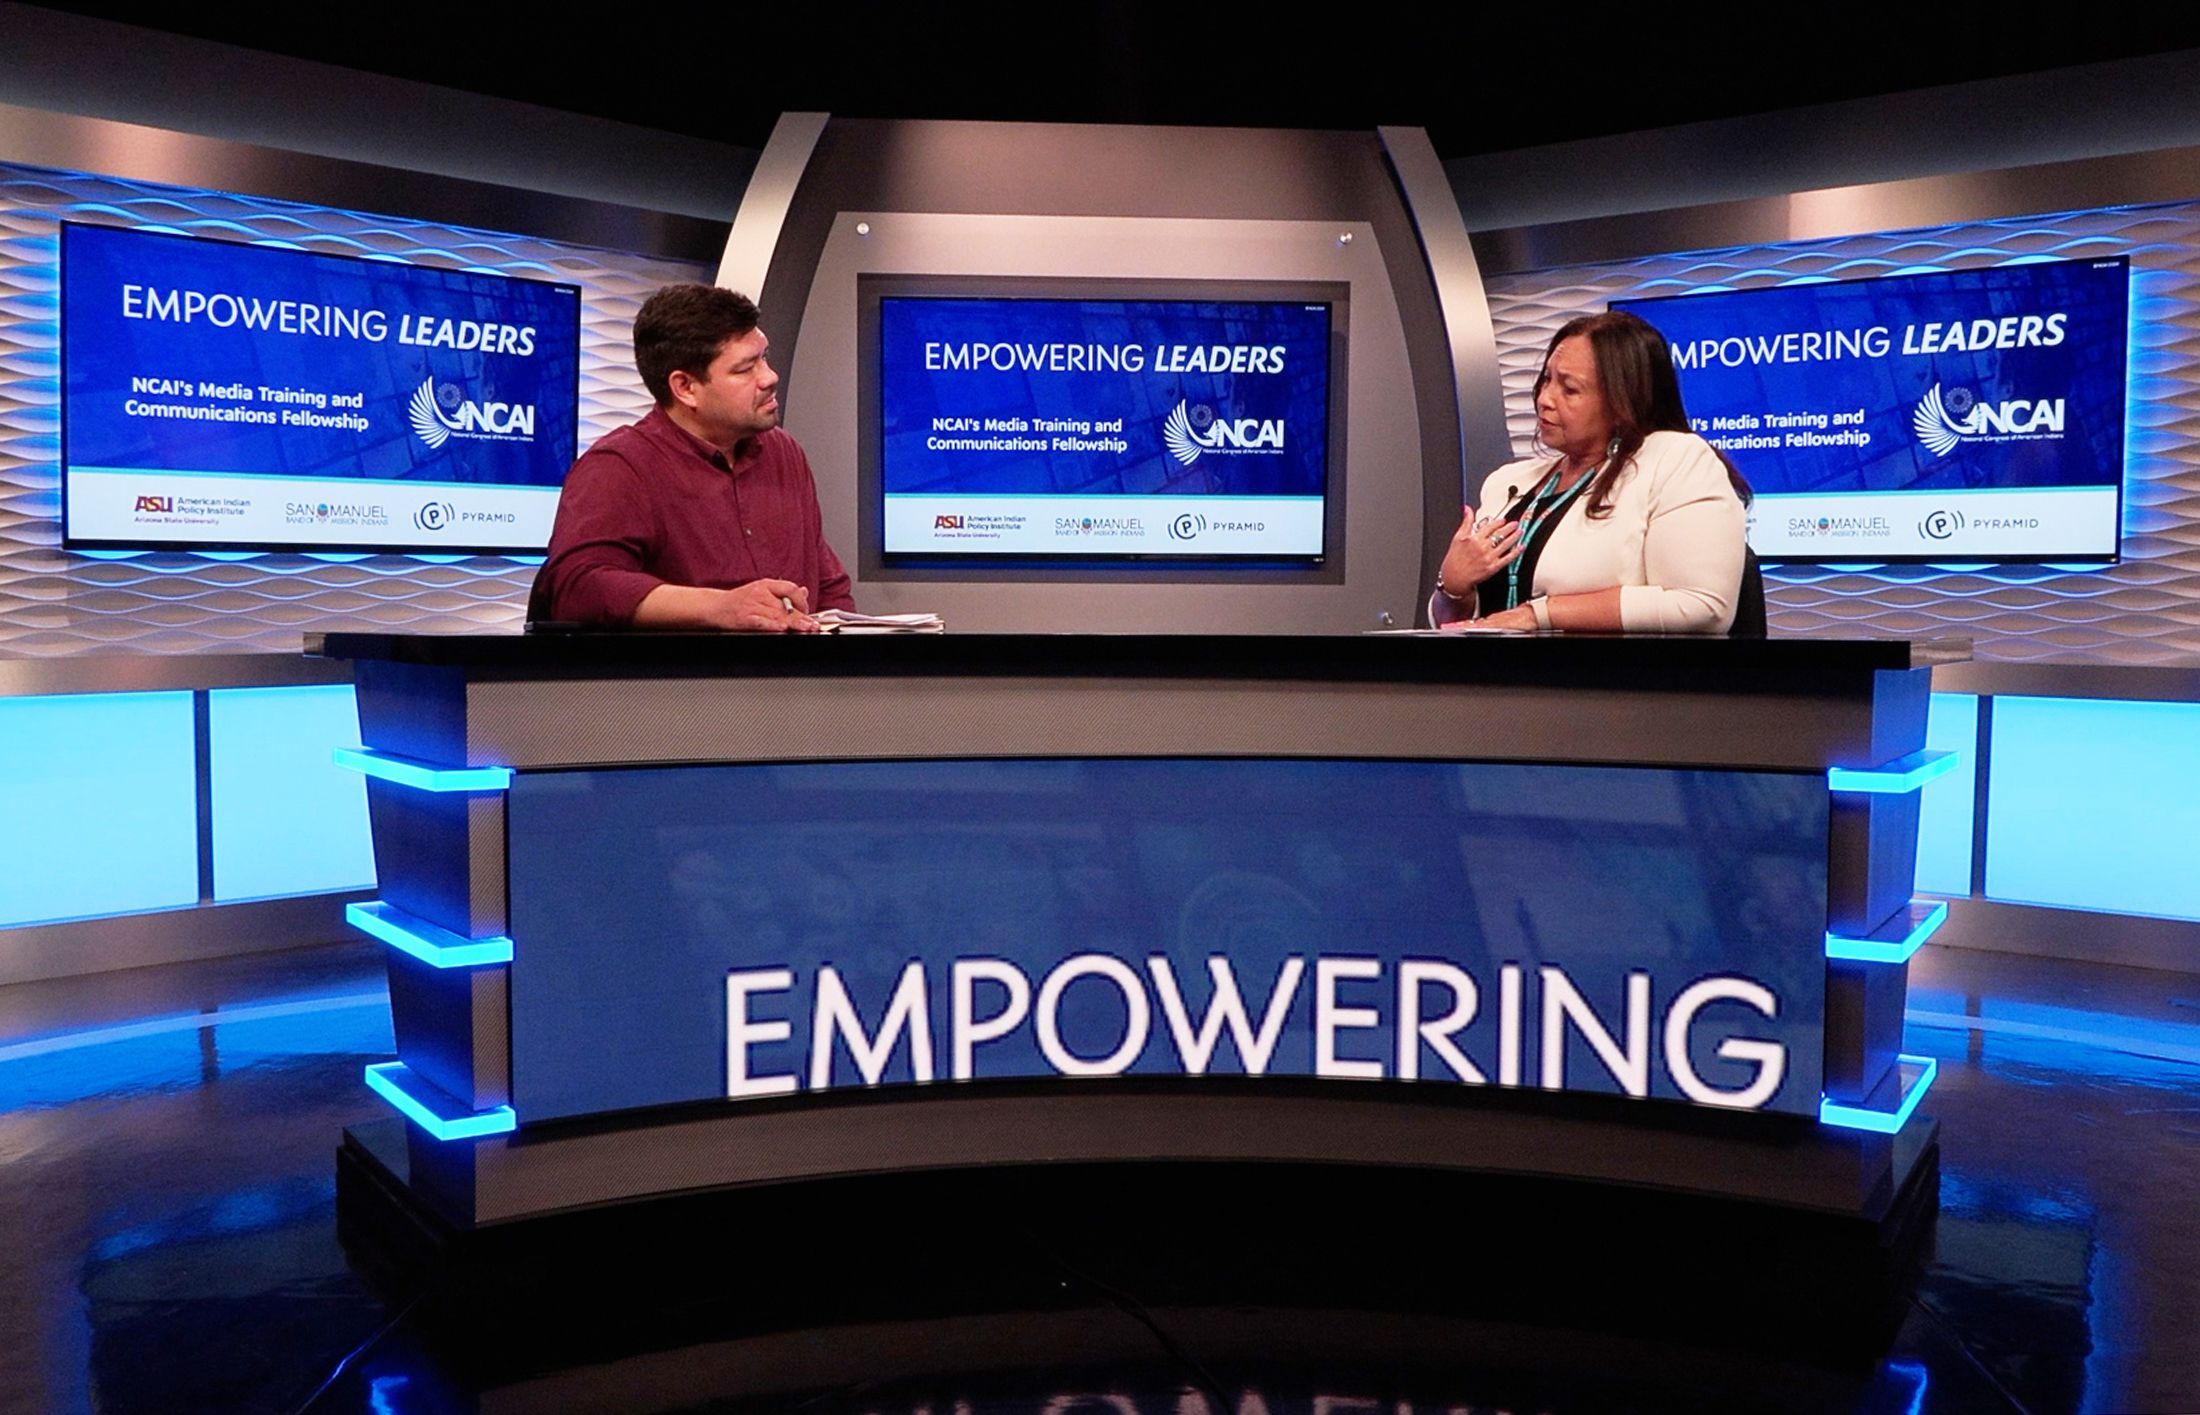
x,y
668,913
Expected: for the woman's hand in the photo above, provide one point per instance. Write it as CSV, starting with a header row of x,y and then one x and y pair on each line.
x,y
1518,617
1479,549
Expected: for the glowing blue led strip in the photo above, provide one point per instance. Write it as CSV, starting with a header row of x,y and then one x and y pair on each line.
x,y
1881,1122
1876,947
1893,778
432,1110
436,947
1916,1372
424,776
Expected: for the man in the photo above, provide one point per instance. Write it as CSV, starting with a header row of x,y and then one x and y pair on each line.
x,y
703,515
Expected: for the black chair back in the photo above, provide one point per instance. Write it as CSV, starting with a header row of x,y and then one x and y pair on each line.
x,y
1749,603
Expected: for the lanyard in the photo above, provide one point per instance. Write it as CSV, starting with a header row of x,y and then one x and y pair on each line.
x,y
1535,516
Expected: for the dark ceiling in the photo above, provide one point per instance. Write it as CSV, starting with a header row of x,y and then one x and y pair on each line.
x,y
1479,80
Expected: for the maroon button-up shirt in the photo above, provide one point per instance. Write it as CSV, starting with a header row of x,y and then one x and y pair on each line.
x,y
652,504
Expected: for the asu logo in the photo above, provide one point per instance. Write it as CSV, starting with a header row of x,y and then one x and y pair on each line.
x,y
947,523
156,503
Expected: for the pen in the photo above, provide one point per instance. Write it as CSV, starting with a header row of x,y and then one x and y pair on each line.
x,y
786,604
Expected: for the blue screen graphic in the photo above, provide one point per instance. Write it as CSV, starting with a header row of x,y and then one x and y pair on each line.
x,y
1975,414
1097,428
929,922
217,393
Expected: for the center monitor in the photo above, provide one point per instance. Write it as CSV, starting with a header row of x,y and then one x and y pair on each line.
x,y
1089,427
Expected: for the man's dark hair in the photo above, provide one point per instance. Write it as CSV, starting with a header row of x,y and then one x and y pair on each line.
x,y
683,327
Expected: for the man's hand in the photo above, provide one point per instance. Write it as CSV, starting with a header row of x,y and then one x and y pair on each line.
x,y
758,607
765,607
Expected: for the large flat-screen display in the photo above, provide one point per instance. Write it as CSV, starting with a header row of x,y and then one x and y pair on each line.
x,y
1103,429
1966,415
230,396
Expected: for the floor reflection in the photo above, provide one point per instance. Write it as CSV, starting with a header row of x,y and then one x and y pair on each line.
x,y
2067,1237
1223,1363
166,1188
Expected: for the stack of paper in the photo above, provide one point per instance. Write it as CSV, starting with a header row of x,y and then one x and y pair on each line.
x,y
847,621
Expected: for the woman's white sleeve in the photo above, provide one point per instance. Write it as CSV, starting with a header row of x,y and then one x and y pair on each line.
x,y
1691,551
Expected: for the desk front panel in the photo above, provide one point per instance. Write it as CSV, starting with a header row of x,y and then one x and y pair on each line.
x,y
716,934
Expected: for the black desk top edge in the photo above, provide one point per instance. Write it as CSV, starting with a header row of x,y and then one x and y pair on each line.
x,y
1370,657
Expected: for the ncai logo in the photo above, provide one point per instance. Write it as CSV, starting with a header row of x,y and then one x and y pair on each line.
x,y
1191,431
1941,421
440,414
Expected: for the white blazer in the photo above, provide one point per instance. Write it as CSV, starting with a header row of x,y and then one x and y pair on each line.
x,y
1672,542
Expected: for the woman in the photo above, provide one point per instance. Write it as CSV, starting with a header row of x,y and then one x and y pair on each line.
x,y
1638,525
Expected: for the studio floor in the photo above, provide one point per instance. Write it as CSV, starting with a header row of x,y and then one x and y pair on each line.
x,y
168,1206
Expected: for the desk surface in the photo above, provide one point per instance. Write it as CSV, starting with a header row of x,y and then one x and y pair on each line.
x,y
543,700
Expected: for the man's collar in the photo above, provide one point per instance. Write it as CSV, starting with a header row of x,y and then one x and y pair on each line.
x,y
660,423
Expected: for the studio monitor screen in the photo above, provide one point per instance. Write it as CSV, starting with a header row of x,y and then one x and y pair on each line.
x,y
1972,415
228,396
1041,429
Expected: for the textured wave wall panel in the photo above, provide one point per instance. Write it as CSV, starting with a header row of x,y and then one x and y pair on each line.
x,y
54,602
2143,611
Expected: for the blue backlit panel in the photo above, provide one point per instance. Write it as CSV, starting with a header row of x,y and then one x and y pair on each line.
x,y
1944,812
101,809
287,819
1645,932
2095,805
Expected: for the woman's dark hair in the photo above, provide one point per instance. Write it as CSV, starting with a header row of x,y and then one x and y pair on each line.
x,y
683,327
1635,368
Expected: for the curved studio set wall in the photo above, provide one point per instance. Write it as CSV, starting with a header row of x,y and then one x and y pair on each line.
x,y
188,827
215,794
2081,800
1082,211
